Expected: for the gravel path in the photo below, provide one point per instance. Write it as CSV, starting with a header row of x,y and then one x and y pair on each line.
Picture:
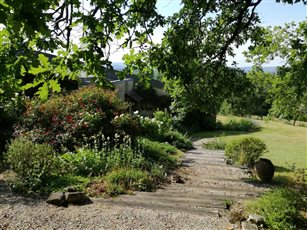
x,y
195,204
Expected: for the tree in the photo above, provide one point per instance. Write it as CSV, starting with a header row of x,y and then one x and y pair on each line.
x,y
79,32
191,59
289,88
254,98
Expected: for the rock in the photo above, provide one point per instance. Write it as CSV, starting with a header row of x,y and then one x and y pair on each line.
x,y
178,179
232,227
264,169
70,189
256,219
236,214
57,199
75,197
245,225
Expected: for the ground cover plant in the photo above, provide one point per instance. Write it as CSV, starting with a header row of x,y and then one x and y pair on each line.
x,y
217,143
282,209
122,167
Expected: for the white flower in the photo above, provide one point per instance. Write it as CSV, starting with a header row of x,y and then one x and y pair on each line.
x,y
116,117
136,112
122,115
16,94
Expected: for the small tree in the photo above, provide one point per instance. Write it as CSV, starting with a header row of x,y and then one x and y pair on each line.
x,y
289,88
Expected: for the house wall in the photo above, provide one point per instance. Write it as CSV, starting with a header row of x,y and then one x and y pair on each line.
x,y
122,87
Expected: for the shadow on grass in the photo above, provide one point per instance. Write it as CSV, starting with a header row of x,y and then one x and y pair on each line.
x,y
280,169
211,134
281,178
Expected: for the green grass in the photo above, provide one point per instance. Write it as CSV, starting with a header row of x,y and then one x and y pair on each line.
x,y
286,143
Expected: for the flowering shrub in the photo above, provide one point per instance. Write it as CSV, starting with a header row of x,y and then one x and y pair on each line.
x,y
127,124
103,155
158,128
151,128
66,121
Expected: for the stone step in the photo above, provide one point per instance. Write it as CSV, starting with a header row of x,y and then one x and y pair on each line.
x,y
199,154
198,198
162,207
214,189
177,201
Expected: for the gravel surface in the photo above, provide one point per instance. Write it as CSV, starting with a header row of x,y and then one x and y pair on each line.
x,y
195,204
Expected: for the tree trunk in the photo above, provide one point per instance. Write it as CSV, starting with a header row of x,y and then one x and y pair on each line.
x,y
295,119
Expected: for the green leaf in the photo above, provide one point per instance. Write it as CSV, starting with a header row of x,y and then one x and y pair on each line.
x,y
75,48
31,85
37,70
43,92
55,86
22,71
43,60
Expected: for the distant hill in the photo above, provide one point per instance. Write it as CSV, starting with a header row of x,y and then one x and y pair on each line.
x,y
270,69
118,65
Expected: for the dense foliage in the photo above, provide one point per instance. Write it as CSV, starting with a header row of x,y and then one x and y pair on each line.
x,y
191,59
254,98
70,139
289,87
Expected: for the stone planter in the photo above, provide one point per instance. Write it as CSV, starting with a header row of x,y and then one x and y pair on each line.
x,y
264,169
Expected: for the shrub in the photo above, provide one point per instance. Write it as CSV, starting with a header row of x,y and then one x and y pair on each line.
x,y
178,139
218,143
84,162
238,124
127,124
164,118
155,129
95,162
158,153
33,163
151,128
65,121
280,207
125,156
122,180
245,151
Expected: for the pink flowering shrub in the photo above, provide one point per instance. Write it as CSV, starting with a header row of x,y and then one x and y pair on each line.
x,y
67,122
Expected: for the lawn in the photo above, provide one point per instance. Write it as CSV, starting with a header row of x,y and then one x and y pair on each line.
x,y
286,143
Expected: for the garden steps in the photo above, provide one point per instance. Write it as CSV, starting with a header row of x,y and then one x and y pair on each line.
x,y
209,183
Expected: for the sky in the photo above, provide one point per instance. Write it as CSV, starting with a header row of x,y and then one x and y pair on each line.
x,y
270,13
